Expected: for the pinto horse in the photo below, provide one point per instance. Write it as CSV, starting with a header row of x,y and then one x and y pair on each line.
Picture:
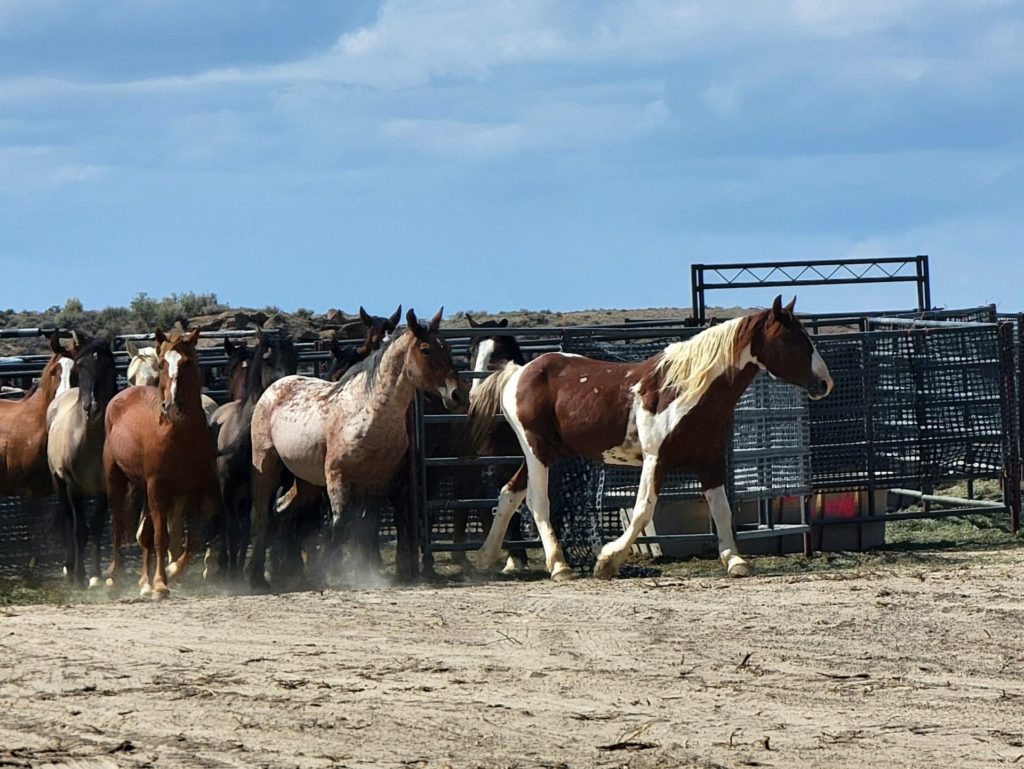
x,y
349,436
274,357
144,369
74,449
377,331
158,441
671,411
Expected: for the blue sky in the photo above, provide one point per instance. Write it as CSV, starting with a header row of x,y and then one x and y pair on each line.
x,y
497,155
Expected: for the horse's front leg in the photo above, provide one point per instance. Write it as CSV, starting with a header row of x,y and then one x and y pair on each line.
x,y
615,552
101,509
721,513
161,507
338,494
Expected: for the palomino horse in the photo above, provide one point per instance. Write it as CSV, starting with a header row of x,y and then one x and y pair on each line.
x,y
75,453
377,331
671,411
237,370
144,369
274,357
349,436
23,468
158,441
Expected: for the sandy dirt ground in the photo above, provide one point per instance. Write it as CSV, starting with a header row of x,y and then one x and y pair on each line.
x,y
876,666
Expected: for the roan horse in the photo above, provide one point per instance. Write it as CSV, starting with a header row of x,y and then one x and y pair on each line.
x,y
75,453
158,441
273,357
377,331
24,471
144,369
349,436
671,411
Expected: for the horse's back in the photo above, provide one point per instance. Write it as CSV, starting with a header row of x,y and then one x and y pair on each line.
x,y
290,420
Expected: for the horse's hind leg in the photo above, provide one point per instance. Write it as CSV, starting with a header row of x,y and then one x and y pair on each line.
x,y
265,481
509,499
614,553
144,536
517,560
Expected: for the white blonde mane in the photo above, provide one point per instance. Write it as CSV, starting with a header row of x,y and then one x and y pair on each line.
x,y
144,368
692,365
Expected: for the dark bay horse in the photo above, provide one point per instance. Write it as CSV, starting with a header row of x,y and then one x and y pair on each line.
x,y
158,442
274,357
376,331
75,453
672,411
236,372
349,436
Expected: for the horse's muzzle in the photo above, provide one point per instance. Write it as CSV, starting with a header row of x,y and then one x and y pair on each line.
x,y
819,388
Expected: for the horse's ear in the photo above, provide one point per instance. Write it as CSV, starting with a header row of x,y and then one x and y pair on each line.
x,y
192,336
55,346
395,317
259,336
414,324
435,322
229,346
364,316
335,349
777,306
130,348
791,305
503,323
472,323
160,338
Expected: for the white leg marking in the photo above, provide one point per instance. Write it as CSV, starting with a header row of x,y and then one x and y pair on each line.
x,y
728,553
614,553
508,503
537,499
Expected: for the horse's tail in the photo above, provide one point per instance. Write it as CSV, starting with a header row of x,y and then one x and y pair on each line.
x,y
485,402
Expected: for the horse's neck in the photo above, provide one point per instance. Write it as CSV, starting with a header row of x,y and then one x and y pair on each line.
x,y
190,392
391,392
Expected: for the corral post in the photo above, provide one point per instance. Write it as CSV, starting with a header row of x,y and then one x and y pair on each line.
x,y
1011,448
407,565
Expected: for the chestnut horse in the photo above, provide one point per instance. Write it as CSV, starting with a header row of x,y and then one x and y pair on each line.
x,y
158,441
377,331
23,468
75,452
274,357
144,369
349,436
671,411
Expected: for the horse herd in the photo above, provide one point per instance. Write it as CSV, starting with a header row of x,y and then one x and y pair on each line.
x,y
179,473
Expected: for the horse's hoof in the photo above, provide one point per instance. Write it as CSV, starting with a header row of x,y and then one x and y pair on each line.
x,y
512,566
259,587
562,573
145,590
606,568
484,564
740,569
110,583
94,582
160,593
172,570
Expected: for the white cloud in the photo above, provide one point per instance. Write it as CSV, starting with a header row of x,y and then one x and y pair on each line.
x,y
33,168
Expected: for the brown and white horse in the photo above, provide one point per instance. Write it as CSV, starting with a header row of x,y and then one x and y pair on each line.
x,y
671,411
349,436
158,441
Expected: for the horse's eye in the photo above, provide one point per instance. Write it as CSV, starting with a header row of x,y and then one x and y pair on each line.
x,y
425,350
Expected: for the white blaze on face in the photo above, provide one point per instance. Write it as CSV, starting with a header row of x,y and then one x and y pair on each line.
x,y
66,364
820,370
447,390
173,358
484,353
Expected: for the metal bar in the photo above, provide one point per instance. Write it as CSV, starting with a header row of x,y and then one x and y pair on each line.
x,y
943,500
909,260
885,517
